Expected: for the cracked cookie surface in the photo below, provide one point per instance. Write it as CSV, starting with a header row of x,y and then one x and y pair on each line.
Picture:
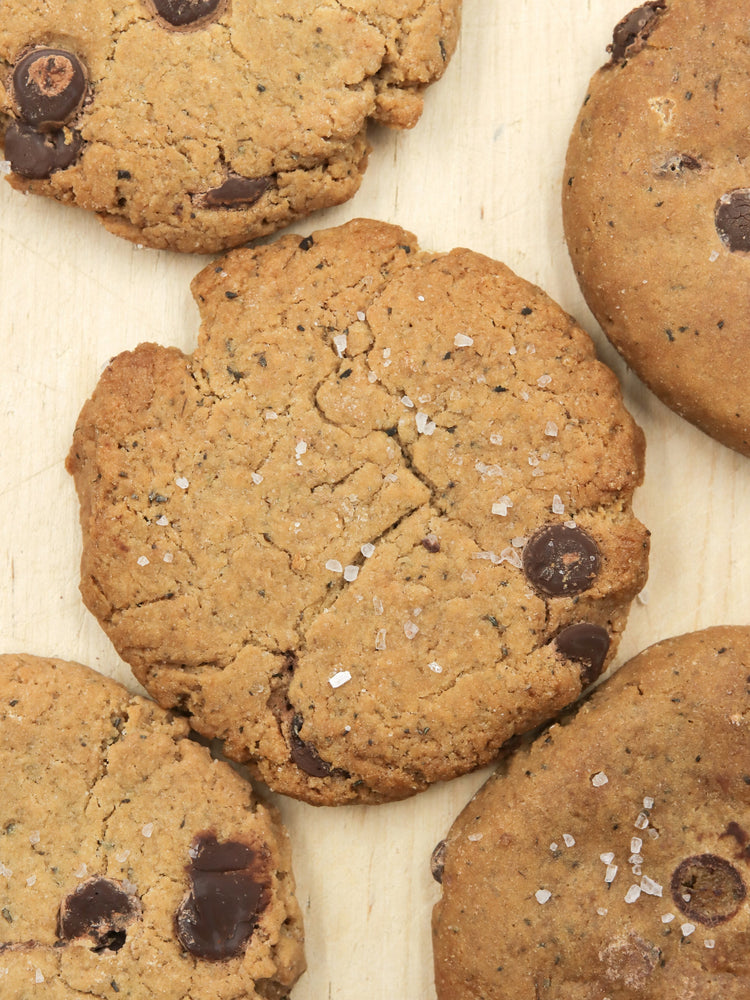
x,y
132,864
309,534
611,858
656,206
196,125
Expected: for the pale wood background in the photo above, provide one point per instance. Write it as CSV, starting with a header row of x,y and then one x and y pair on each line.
x,y
482,169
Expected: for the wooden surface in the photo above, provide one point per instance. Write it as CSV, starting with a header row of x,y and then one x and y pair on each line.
x,y
482,169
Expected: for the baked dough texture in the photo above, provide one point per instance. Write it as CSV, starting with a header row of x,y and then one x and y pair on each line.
x,y
656,205
611,857
310,534
132,864
196,125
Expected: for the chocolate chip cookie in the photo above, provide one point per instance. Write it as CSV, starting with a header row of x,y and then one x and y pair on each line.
x,y
611,857
375,524
656,201
131,863
196,125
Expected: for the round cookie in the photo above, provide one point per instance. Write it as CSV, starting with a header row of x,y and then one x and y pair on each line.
x,y
132,864
310,534
611,857
656,203
196,125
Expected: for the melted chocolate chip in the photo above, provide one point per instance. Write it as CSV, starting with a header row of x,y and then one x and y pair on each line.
x,y
707,889
48,86
588,645
181,13
437,861
229,892
236,192
35,155
559,560
99,909
732,220
634,29
304,754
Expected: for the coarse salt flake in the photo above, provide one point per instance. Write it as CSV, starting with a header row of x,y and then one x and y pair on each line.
x,y
687,929
496,438
635,859
435,667
463,340
607,858
568,839
256,478
168,557
667,918
162,521
182,482
380,639
609,875
602,911
361,316
501,506
709,943
31,880
300,448
648,802
271,415
386,352
339,678
351,573
641,821
550,429
5,167
123,856
475,837
543,380
599,779
488,470
632,894
650,887
143,560
34,837
38,976
511,556
424,424
367,549
81,873
377,605
410,629
339,342
553,845
334,566
407,402
147,829
714,255
420,298
558,507
635,844
5,871
542,895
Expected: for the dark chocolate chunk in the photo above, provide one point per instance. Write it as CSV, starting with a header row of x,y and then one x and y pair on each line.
x,y
304,754
229,890
707,888
181,13
732,220
48,86
431,542
99,909
587,644
559,560
437,861
634,29
237,191
36,155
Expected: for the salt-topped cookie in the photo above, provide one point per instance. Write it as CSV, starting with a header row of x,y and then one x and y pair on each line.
x,y
377,523
196,125
131,863
611,858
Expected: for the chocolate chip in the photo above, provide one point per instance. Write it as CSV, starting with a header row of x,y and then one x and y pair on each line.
x,y
229,891
180,13
35,155
48,86
559,560
437,861
304,754
99,909
431,542
707,888
732,219
587,644
634,29
236,192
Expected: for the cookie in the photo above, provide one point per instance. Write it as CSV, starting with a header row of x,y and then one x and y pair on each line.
x,y
656,203
611,857
196,125
376,523
132,864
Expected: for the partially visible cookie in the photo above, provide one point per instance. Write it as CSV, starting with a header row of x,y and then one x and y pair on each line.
x,y
376,524
656,206
196,125
132,864
612,857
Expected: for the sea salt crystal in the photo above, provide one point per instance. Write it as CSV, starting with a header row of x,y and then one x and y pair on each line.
x,y
407,402
334,566
34,837
650,887
168,557
463,340
558,507
553,845
122,857
182,482
607,858
31,880
687,929
641,821
361,316
501,506
351,573
377,605
256,478
38,976
380,639
543,381
339,678
568,839
424,424
609,875
367,549
300,448
542,895
632,894
142,560
81,873
667,918
709,943
599,779
475,837
162,521
339,342
648,802
410,629
488,470
550,429
147,829
435,667
635,844
511,556
496,437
